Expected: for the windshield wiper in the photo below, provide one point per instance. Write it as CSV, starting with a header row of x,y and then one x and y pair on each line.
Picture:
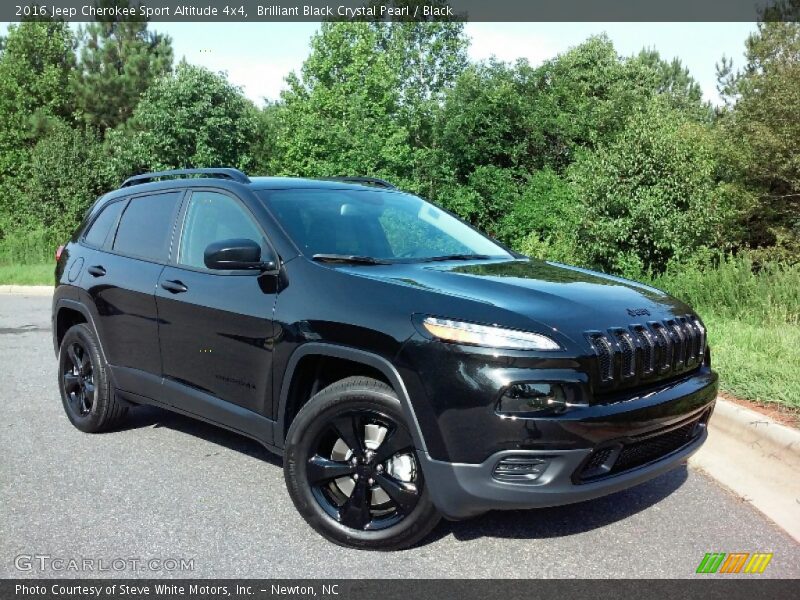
x,y
348,259
457,257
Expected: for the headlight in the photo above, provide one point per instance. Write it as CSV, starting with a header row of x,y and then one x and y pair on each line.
x,y
485,335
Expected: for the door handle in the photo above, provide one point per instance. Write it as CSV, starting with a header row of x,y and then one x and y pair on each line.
x,y
174,286
97,270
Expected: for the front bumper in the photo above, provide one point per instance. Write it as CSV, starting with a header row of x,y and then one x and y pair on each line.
x,y
463,490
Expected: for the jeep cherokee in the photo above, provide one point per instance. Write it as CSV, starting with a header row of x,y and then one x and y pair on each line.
x,y
404,365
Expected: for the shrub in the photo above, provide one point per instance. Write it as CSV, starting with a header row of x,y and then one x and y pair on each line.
x,y
653,194
737,288
66,173
194,118
545,210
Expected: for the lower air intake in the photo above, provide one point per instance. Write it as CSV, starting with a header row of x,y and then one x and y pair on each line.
x,y
621,457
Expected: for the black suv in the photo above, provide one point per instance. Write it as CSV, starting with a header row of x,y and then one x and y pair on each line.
x,y
405,365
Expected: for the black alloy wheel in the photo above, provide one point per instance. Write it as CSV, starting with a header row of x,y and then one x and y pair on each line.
x,y
352,468
78,379
89,399
363,471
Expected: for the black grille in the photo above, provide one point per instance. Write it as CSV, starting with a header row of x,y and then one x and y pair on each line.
x,y
604,354
637,452
652,350
646,341
597,459
646,451
627,352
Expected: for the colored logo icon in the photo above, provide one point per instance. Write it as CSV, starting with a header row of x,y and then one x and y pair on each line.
x,y
735,562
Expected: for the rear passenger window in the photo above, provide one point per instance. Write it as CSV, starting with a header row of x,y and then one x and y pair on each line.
x,y
98,230
145,228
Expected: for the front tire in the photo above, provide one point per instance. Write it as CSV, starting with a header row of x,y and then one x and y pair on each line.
x,y
83,380
352,471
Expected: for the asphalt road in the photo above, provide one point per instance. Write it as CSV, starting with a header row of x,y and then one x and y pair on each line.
x,y
169,487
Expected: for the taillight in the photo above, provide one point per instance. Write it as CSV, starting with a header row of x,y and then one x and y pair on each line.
x,y
59,251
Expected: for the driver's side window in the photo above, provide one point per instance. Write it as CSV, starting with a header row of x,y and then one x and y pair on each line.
x,y
212,217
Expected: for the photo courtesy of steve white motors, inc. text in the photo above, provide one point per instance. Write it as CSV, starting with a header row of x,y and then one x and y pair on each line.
x,y
172,589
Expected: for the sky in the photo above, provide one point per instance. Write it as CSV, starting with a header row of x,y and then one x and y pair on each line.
x,y
258,56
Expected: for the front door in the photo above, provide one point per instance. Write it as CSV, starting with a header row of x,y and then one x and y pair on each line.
x,y
215,327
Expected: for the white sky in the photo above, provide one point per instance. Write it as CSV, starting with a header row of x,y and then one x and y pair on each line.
x,y
258,56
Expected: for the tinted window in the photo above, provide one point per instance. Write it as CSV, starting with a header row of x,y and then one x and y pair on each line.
x,y
99,229
146,224
212,217
375,223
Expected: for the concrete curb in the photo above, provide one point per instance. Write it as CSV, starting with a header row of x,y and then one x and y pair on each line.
x,y
774,439
27,290
758,459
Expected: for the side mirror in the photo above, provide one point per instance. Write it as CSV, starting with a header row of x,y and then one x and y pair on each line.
x,y
236,254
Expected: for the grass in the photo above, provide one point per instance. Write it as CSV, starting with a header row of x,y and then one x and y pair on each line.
x,y
35,274
28,247
752,313
756,362
26,258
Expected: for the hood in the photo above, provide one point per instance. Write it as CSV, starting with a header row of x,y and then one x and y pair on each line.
x,y
552,294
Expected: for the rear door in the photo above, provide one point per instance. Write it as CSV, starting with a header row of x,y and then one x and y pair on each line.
x,y
121,278
216,326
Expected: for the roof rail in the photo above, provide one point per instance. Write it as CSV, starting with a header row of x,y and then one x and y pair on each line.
x,y
374,181
224,173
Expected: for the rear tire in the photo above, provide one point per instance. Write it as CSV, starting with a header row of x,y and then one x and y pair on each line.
x,y
352,471
84,383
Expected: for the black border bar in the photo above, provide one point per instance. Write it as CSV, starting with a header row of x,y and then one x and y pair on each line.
x,y
381,10
707,587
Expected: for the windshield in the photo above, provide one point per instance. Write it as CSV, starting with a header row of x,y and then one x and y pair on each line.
x,y
374,223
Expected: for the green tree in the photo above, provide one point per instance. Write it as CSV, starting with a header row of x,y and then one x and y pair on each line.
x,y
487,119
362,102
673,81
119,60
36,66
192,118
517,116
67,173
266,159
426,59
653,194
532,123
544,221
763,128
586,95
336,116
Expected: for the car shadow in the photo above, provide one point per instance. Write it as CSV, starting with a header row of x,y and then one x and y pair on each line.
x,y
152,416
541,523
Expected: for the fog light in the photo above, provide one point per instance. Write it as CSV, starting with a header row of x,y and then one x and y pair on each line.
x,y
520,468
522,398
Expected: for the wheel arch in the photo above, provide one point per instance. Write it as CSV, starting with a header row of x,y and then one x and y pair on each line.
x,y
67,313
369,360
